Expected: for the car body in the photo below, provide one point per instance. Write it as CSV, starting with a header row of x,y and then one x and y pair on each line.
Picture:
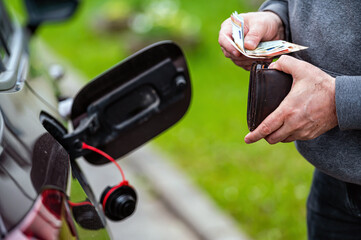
x,y
116,112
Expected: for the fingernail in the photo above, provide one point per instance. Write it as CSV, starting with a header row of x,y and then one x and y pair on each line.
x,y
251,44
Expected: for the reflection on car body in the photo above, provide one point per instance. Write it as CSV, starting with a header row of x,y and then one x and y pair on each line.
x,y
118,111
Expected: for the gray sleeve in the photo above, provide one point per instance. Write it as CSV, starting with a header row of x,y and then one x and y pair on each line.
x,y
348,102
279,7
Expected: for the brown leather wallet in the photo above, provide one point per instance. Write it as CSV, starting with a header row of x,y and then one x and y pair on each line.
x,y
267,89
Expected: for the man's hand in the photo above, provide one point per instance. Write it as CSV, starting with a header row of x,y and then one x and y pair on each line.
x,y
258,26
309,109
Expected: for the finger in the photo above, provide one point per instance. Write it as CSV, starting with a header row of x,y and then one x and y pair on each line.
x,y
228,46
226,31
289,139
287,64
254,36
247,65
280,135
242,62
226,54
272,123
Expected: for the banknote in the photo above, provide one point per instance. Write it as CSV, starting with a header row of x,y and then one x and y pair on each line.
x,y
267,49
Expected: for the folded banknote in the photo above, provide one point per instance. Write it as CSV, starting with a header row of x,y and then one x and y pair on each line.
x,y
267,49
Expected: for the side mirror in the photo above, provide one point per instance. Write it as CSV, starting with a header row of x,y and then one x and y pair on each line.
x,y
130,103
40,11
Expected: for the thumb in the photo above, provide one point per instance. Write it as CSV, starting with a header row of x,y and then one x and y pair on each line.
x,y
253,37
286,64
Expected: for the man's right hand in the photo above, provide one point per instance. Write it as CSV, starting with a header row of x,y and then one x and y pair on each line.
x,y
258,26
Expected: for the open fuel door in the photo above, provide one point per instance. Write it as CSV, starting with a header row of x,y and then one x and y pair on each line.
x,y
130,103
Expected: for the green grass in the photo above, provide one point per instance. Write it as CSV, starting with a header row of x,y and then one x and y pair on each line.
x,y
263,187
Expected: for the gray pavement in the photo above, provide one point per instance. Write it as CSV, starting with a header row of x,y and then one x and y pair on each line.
x,y
170,206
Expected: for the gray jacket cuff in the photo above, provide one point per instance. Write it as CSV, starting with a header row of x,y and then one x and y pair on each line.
x,y
280,8
348,102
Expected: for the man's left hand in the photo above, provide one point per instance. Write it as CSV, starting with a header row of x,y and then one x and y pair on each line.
x,y
309,109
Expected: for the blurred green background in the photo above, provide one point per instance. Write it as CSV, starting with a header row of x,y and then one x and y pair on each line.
x,y
263,187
